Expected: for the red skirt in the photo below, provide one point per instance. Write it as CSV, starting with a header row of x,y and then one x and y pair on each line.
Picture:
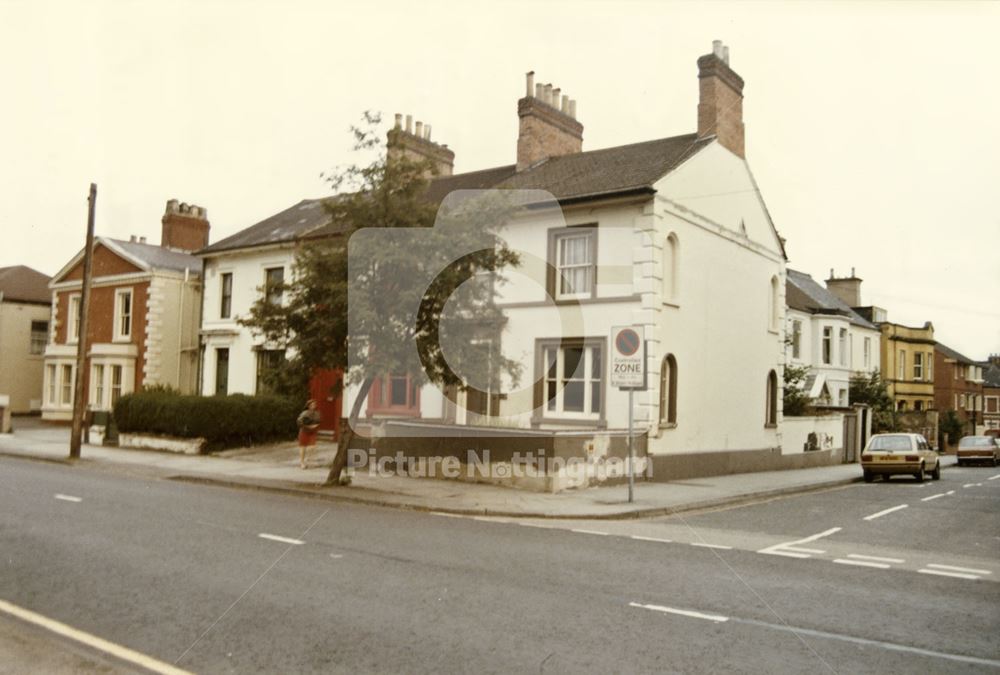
x,y
307,438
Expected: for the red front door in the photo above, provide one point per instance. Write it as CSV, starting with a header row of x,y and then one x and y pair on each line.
x,y
322,390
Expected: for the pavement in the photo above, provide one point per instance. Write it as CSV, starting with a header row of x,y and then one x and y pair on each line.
x,y
275,468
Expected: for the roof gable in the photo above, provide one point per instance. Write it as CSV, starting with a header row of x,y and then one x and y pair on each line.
x,y
114,256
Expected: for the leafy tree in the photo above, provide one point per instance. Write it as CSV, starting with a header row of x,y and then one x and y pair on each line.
x,y
951,426
416,307
871,390
795,399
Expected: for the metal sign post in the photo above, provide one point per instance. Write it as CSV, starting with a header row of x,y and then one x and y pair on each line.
x,y
628,372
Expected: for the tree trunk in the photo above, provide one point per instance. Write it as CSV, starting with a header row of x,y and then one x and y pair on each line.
x,y
347,437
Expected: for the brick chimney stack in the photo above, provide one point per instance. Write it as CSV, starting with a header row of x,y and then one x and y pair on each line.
x,y
185,227
720,101
416,145
548,124
847,289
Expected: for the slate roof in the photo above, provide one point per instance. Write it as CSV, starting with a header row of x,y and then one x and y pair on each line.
x,y
952,354
991,374
570,177
157,257
23,284
804,294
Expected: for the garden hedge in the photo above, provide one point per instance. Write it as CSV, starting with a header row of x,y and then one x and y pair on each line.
x,y
223,421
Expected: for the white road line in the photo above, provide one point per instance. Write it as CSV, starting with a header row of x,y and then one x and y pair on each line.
x,y
284,540
683,612
718,546
994,477
949,574
446,515
959,569
538,525
858,556
799,549
117,651
788,549
927,499
336,556
968,485
582,531
69,498
862,563
887,511
661,541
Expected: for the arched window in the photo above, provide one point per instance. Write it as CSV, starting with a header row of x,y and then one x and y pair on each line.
x,y
670,271
774,308
668,390
772,399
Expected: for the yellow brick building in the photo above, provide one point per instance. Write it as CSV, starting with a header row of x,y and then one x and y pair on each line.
x,y
908,365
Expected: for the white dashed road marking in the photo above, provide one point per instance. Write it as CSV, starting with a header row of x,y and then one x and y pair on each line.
x,y
788,548
885,512
69,498
284,540
942,573
968,570
858,556
92,641
661,541
719,546
862,563
683,612
582,531
940,494
994,477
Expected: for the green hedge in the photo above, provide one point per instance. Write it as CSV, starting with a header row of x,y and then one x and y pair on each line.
x,y
224,421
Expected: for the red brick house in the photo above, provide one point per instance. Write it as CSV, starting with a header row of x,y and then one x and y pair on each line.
x,y
991,394
958,386
145,307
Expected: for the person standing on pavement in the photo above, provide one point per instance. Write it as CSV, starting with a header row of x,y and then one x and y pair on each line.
x,y
308,422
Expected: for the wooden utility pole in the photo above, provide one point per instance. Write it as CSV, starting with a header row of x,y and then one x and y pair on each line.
x,y
80,391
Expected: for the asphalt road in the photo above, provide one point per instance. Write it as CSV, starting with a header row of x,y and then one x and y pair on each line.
x,y
216,580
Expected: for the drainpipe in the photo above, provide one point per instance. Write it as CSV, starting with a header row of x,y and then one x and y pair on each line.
x,y
199,353
180,326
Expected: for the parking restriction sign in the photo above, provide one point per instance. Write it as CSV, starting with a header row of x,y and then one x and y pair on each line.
x,y
628,358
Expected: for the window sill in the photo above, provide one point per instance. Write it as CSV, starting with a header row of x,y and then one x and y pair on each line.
x,y
668,425
675,305
770,426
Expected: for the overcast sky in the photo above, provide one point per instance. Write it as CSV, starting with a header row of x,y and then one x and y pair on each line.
x,y
873,129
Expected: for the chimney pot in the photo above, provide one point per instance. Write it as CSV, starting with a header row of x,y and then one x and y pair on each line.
x,y
725,54
555,97
831,274
409,124
564,107
572,108
852,272
420,129
539,91
399,121
171,206
717,48
427,132
132,238
530,83
547,95
142,240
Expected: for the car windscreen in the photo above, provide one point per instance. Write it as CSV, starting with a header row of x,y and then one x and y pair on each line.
x,y
890,443
976,442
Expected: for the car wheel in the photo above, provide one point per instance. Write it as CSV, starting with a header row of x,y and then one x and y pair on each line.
x,y
886,477
994,460
919,475
936,473
868,476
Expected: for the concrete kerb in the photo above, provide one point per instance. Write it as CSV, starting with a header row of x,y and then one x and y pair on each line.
x,y
629,514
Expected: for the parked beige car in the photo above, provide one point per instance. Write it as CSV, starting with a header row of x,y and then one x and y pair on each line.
x,y
889,454
978,449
